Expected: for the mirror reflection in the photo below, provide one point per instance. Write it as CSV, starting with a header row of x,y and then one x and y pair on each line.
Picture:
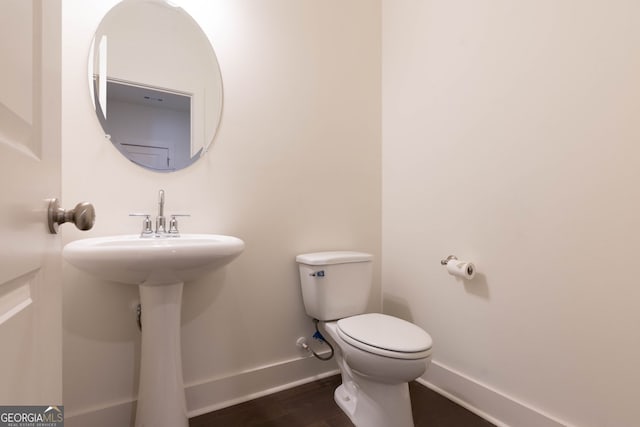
x,y
155,84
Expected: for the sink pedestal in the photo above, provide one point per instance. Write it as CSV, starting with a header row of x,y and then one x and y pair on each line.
x,y
161,398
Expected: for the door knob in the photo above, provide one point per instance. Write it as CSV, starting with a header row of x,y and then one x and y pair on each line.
x,y
83,216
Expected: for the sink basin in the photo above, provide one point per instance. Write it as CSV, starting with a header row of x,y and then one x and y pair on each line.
x,y
152,261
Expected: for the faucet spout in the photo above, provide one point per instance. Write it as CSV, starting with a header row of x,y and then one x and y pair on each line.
x,y
161,221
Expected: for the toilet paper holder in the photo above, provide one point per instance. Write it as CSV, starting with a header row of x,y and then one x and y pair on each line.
x,y
447,259
463,269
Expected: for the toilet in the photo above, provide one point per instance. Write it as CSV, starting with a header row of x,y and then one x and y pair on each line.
x,y
377,354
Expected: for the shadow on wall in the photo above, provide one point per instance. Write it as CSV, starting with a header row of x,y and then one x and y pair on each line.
x,y
200,294
102,311
94,309
396,306
399,307
477,286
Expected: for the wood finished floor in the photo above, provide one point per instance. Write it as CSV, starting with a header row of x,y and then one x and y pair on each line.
x,y
312,405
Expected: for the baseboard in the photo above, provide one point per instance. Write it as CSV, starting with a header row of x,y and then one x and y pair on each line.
x,y
243,386
111,414
216,393
484,401
213,394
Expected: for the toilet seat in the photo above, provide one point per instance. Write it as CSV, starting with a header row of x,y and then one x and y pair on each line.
x,y
385,336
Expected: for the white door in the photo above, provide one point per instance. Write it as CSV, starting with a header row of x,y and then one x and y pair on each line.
x,y
30,264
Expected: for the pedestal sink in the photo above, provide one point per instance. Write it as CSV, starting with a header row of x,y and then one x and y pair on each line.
x,y
159,266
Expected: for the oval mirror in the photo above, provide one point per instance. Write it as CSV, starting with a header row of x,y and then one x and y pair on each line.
x,y
155,83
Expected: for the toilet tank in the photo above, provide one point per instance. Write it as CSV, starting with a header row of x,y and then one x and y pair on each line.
x,y
335,284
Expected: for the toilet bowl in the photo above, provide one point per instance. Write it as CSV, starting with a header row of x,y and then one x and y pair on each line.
x,y
377,354
381,347
376,367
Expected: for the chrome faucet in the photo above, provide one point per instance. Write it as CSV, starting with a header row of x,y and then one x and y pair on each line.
x,y
161,221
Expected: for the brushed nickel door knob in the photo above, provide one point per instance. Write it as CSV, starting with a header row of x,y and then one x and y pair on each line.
x,y
83,215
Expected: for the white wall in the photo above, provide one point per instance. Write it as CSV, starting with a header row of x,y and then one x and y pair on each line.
x,y
511,138
294,168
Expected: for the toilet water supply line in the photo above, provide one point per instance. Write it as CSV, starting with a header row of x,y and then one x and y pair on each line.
x,y
318,336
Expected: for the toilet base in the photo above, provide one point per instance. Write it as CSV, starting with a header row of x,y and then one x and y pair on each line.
x,y
372,404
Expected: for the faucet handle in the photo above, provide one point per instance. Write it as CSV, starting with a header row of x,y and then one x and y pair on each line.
x,y
147,230
173,225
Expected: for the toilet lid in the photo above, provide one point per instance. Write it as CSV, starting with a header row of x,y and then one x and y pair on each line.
x,y
380,331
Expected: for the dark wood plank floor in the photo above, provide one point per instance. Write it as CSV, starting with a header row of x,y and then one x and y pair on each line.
x,y
312,405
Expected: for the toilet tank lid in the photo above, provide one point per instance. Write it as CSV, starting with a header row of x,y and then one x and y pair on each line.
x,y
333,257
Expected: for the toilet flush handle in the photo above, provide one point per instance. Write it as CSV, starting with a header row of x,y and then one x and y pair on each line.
x,y
317,273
